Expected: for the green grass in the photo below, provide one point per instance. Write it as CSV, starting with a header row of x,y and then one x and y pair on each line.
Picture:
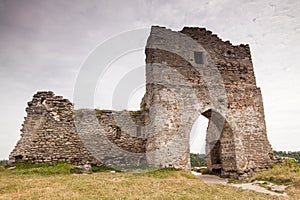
x,y
286,173
56,182
134,168
165,173
281,174
102,168
47,169
44,181
44,169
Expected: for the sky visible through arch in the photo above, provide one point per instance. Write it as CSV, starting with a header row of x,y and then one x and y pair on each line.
x,y
43,44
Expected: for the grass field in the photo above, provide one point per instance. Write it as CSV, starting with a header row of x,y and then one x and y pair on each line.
x,y
57,182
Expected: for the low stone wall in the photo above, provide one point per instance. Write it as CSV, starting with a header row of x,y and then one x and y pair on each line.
x,y
114,137
50,134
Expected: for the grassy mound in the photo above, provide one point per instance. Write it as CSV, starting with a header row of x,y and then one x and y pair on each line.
x,y
281,174
285,173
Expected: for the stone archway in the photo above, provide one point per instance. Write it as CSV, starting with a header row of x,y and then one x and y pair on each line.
x,y
220,145
190,73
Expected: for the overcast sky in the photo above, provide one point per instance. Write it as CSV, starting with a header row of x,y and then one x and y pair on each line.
x,y
43,43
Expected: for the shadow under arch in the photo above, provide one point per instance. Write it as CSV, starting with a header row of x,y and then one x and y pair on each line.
x,y
219,144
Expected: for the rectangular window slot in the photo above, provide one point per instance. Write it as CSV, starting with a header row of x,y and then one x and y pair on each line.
x,y
138,131
199,57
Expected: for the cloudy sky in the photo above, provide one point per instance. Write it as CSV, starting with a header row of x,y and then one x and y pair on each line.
x,y
44,43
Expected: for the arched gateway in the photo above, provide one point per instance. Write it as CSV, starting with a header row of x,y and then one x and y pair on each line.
x,y
188,73
191,73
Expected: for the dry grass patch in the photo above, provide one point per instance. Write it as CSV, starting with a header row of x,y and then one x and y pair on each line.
x,y
286,173
160,184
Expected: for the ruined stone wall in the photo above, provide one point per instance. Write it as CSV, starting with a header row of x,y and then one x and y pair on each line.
x,y
245,113
53,132
233,62
49,133
222,83
116,138
188,73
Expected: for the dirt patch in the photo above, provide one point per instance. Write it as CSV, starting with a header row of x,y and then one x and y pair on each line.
x,y
255,186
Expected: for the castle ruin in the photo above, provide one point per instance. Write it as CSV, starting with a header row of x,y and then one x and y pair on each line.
x,y
188,73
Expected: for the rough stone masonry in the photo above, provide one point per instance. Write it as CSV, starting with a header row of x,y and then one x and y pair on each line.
x,y
188,73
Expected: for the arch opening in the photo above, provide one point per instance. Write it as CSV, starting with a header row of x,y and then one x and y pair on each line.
x,y
197,142
217,143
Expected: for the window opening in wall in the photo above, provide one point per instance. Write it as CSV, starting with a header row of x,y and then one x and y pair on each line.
x,y
138,131
199,57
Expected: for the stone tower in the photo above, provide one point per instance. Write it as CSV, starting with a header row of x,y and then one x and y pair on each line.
x,y
191,73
